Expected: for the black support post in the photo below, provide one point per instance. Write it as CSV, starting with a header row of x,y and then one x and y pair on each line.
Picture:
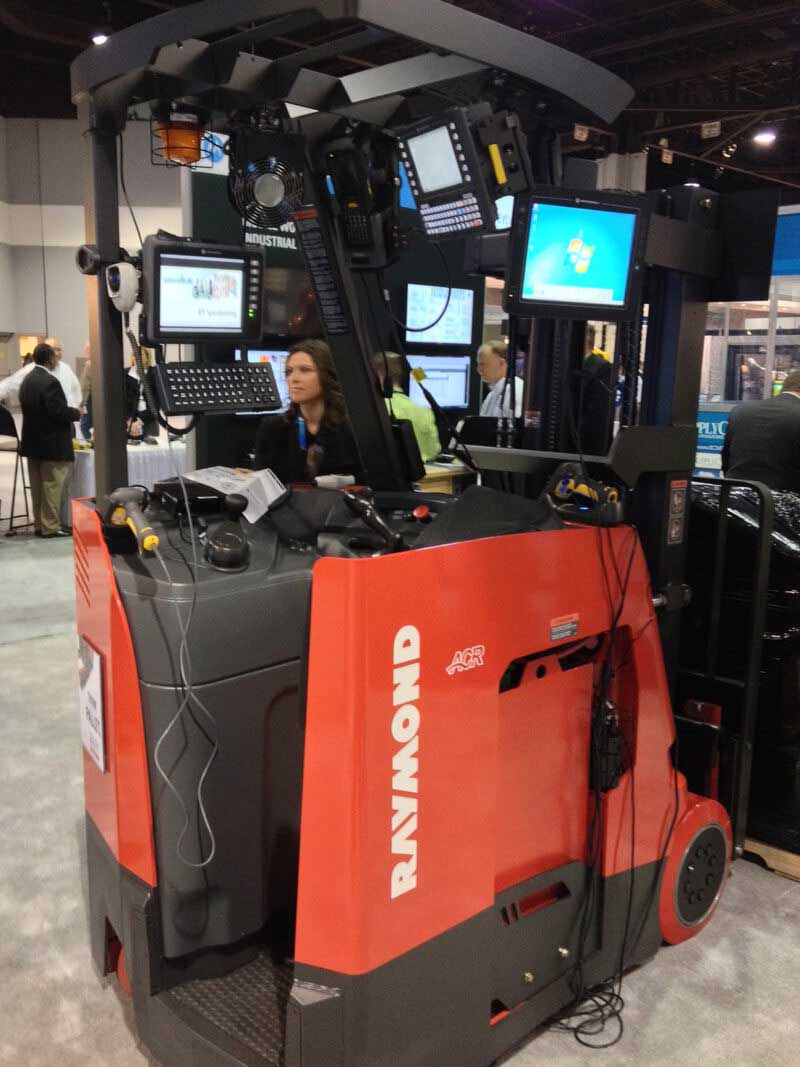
x,y
673,360
344,314
101,210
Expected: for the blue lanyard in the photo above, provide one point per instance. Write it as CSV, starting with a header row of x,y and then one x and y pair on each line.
x,y
302,433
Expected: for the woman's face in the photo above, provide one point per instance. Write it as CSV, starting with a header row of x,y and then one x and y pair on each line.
x,y
302,378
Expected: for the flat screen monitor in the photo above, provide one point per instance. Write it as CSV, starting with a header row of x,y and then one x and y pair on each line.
x,y
195,291
277,360
575,257
446,379
290,306
424,304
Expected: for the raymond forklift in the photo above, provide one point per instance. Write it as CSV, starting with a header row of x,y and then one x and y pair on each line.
x,y
365,784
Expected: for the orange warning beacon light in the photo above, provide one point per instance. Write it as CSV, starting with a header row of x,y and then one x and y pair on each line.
x,y
181,134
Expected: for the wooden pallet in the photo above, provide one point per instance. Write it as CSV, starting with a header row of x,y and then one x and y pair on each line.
x,y
779,861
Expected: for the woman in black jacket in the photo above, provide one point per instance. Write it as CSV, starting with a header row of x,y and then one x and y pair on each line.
x,y
313,437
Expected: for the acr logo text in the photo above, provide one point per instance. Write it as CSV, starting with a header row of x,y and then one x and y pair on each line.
x,y
467,659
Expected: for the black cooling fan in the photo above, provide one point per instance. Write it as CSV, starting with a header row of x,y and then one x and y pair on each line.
x,y
266,192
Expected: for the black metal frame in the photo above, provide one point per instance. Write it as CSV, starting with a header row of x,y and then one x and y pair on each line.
x,y
165,54
636,450
166,59
710,676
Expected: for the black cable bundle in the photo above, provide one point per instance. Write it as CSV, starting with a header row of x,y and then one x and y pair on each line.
x,y
593,1008
434,405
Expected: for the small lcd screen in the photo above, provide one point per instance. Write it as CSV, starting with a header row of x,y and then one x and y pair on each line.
x,y
505,210
424,305
198,294
277,360
578,255
435,160
446,379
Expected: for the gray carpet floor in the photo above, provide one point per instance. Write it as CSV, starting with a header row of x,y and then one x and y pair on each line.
x,y
729,997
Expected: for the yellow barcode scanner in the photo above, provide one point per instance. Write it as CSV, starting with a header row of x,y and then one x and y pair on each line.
x,y
571,485
125,509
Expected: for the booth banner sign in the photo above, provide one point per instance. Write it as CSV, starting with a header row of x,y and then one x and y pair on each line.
x,y
90,698
284,236
786,253
710,129
711,427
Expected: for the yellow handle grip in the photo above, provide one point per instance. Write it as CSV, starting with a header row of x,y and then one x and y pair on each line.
x,y
146,537
500,175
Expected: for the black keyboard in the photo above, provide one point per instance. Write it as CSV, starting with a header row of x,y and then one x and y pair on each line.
x,y
207,388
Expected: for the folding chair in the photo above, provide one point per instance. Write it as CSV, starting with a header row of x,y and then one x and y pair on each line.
x,y
9,442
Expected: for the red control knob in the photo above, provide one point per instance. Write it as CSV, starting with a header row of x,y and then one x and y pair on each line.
x,y
422,513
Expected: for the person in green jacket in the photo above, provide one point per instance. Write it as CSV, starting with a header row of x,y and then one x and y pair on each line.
x,y
402,408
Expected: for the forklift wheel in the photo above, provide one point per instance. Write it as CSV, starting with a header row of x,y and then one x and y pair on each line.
x,y
694,877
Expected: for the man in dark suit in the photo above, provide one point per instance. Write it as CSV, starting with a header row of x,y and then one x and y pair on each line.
x,y
46,440
762,441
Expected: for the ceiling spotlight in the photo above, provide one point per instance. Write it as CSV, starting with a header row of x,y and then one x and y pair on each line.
x,y
729,151
765,138
100,36
693,183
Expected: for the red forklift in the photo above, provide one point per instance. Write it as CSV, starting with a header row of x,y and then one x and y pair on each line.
x,y
384,777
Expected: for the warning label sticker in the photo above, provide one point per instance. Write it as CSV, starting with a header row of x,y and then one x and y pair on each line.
x,y
677,511
563,627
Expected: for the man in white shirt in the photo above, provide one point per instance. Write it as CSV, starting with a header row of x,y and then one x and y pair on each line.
x,y
492,366
9,387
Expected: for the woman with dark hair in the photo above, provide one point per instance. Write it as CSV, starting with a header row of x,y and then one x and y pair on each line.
x,y
313,437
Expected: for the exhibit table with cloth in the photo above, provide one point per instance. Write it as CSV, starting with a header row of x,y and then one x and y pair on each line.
x,y
147,464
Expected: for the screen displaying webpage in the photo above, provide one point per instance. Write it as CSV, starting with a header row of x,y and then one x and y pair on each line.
x,y
446,379
201,295
424,305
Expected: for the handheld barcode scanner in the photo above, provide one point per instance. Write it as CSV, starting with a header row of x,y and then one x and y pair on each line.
x,y
125,508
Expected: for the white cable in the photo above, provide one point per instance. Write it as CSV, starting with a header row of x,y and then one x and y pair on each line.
x,y
190,695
